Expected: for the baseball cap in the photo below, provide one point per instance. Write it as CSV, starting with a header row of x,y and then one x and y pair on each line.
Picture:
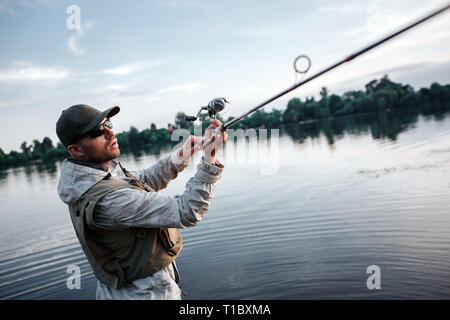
x,y
79,119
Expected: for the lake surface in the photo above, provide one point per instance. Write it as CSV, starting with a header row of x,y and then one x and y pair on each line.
x,y
334,199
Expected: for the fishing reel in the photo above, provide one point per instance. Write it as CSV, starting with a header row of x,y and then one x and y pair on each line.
x,y
214,107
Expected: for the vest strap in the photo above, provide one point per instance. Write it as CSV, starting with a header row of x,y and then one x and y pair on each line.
x,y
177,278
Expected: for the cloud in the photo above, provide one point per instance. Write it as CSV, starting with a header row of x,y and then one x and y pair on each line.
x,y
33,3
339,8
13,7
204,5
122,93
266,29
187,88
113,87
134,67
28,73
8,8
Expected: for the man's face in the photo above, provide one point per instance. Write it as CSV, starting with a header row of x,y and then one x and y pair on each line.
x,y
101,149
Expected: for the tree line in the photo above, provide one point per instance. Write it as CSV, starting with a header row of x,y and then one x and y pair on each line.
x,y
379,95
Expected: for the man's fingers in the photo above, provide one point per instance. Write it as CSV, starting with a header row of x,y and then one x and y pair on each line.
x,y
214,124
196,144
192,141
192,144
208,141
211,140
225,136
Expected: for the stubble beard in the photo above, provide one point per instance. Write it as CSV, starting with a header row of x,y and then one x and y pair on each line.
x,y
104,155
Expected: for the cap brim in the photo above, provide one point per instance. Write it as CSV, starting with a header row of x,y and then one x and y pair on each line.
x,y
111,112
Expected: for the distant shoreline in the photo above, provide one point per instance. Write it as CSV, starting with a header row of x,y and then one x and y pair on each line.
x,y
381,95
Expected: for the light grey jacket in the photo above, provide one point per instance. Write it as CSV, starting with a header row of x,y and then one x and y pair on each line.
x,y
125,208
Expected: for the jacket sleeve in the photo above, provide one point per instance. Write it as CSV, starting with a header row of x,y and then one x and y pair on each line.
x,y
159,175
125,208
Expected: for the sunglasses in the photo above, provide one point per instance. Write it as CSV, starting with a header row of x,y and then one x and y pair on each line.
x,y
100,129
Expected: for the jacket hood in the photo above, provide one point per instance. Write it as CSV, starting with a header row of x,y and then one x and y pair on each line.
x,y
76,179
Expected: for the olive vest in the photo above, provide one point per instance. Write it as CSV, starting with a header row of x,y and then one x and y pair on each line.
x,y
121,256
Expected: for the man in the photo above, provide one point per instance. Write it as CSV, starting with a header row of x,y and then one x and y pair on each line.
x,y
127,229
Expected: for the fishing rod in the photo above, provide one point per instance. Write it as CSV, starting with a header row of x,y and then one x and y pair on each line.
x,y
218,104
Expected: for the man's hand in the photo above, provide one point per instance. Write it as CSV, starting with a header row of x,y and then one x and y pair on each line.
x,y
214,140
191,145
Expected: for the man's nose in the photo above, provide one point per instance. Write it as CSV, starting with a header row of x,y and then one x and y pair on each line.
x,y
109,133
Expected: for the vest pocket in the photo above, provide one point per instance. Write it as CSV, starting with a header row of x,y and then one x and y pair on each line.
x,y
171,240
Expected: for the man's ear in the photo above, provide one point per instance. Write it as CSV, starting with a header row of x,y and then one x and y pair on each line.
x,y
75,150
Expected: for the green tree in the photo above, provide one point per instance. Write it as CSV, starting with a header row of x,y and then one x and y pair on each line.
x,y
258,118
37,152
47,147
370,87
335,104
133,138
180,121
323,105
3,158
26,150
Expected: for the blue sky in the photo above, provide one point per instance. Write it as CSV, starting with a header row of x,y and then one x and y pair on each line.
x,y
155,58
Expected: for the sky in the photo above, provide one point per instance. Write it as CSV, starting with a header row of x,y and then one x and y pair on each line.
x,y
156,58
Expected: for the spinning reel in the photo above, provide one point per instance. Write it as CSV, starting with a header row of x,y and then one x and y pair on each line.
x,y
214,107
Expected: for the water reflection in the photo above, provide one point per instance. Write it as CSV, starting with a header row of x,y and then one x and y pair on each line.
x,y
382,125
43,169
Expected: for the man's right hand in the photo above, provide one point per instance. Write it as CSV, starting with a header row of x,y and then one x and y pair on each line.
x,y
214,141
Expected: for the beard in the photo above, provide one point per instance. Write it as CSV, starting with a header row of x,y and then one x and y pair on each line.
x,y
102,154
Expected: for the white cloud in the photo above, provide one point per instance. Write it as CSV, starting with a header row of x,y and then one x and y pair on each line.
x,y
265,29
205,5
133,67
33,3
28,73
13,7
188,88
339,8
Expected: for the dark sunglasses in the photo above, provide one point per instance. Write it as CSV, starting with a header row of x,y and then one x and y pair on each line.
x,y
100,129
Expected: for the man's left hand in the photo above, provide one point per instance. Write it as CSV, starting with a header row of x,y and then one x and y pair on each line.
x,y
191,145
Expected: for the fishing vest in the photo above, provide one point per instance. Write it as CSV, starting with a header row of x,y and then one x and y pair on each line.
x,y
121,256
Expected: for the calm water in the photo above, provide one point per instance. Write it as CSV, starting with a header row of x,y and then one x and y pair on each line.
x,y
335,199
